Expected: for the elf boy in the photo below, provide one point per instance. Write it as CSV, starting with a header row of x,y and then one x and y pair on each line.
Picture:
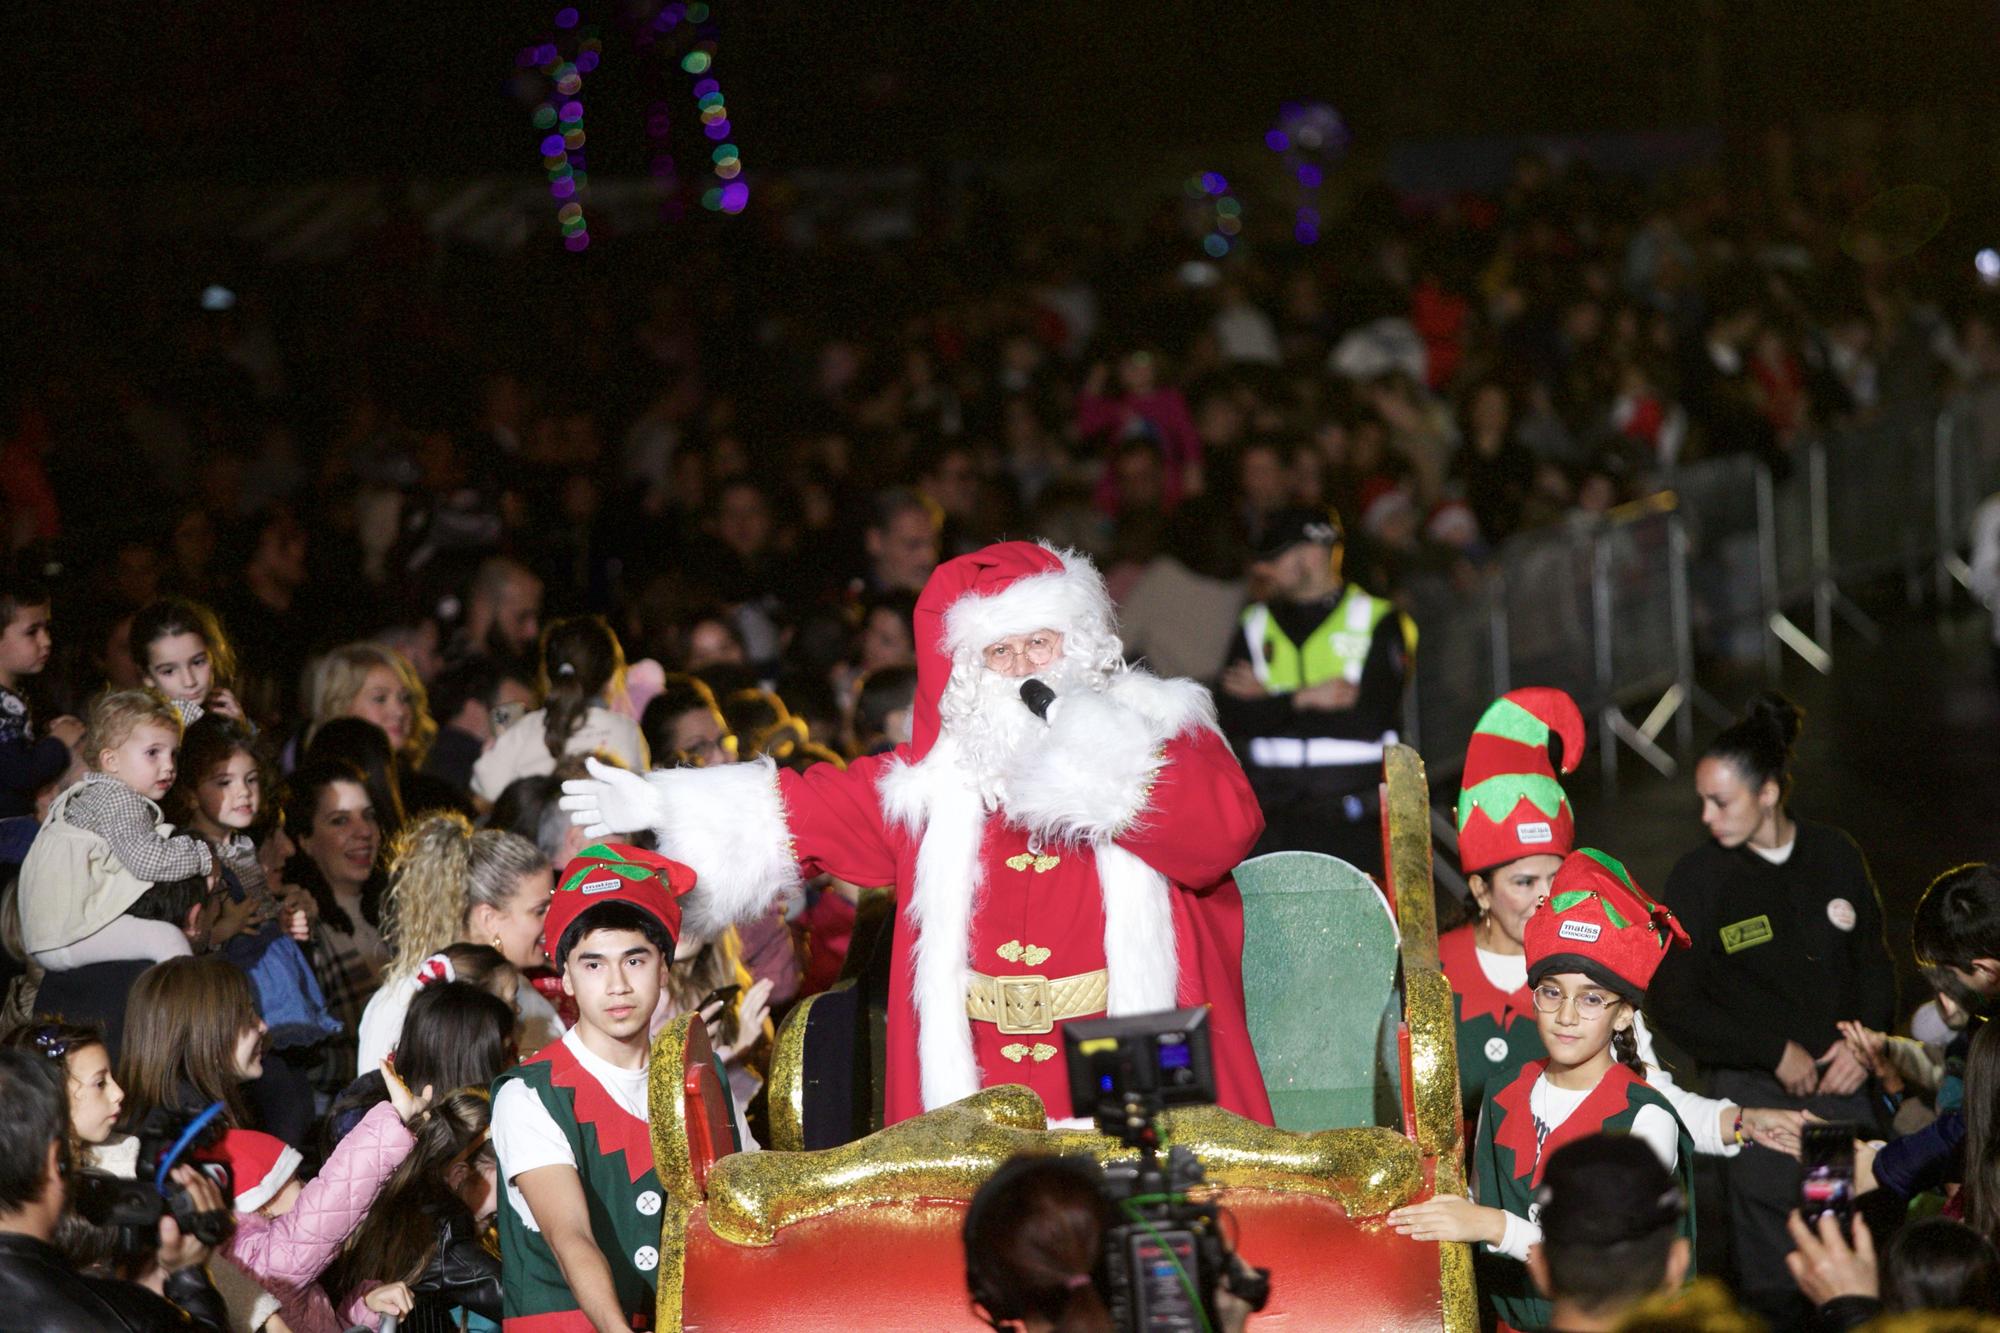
x,y
1592,949
580,1231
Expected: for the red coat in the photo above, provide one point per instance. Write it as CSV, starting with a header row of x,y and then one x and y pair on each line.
x,y
1198,821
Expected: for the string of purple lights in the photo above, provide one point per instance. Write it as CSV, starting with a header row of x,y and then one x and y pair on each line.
x,y
559,117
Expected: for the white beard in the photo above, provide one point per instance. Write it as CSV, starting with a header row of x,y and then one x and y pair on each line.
x,y
986,716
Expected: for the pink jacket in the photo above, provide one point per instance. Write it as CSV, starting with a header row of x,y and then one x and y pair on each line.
x,y
287,1254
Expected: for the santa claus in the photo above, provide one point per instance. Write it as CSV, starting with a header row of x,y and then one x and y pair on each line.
x,y
1060,832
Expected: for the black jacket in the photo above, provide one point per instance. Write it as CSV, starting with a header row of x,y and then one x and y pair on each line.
x,y
40,1294
1780,952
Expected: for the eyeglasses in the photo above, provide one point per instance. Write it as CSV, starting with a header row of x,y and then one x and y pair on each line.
x,y
1589,1004
1037,649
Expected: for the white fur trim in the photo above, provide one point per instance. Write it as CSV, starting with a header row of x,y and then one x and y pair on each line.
x,y
727,824
949,877
1139,948
1059,600
1090,780
260,1192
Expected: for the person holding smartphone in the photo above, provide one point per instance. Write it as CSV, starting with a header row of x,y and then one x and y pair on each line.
x,y
1787,931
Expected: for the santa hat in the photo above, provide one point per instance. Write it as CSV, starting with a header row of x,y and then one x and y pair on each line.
x,y
259,1163
1598,922
976,600
1510,804
610,872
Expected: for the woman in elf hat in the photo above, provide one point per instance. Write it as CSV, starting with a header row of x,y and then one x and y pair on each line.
x,y
1515,826
1591,950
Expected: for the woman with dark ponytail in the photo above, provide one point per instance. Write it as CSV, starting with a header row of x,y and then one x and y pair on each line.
x,y
582,670
1034,1236
1787,932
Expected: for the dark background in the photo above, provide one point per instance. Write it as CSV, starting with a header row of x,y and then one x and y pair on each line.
x,y
277,90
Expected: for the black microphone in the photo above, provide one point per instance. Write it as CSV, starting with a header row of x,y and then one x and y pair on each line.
x,y
1038,696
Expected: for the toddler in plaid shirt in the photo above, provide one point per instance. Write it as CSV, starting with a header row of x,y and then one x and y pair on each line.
x,y
130,748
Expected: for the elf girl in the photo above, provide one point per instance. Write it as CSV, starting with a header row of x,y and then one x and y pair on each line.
x,y
1591,950
1515,826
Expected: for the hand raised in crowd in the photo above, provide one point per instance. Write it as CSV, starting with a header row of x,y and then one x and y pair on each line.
x,y
611,800
297,910
1825,1265
1240,682
1871,1049
409,1105
1796,1071
391,1298
67,729
754,1008
1449,1217
1840,1072
1773,1128
223,702
236,917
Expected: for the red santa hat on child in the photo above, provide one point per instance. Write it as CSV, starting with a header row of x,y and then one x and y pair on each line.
x,y
976,600
1510,804
1597,921
260,1164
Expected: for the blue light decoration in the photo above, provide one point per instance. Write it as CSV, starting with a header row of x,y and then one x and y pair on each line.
x,y
697,22
1310,137
1225,219
559,117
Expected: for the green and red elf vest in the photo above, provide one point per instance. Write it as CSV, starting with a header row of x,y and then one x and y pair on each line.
x,y
1496,1028
613,1150
1507,1168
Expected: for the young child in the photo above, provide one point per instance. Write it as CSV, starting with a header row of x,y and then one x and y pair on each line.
x,y
425,1231
28,762
181,651
580,1230
583,666
288,1231
100,848
1592,948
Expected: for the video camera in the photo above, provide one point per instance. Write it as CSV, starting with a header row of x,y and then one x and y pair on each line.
x,y
1165,1258
133,1208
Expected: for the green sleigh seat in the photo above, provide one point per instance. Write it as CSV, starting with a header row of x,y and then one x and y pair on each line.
x,y
1319,987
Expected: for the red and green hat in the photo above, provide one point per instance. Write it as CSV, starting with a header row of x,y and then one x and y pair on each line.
x,y
1510,804
1598,922
614,872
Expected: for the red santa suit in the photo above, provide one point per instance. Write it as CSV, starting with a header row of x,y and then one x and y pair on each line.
x,y
1098,882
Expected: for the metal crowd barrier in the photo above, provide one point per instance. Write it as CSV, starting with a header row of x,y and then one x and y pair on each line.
x,y
1733,559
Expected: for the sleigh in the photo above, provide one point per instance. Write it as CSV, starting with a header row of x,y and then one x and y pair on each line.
x,y
1352,1021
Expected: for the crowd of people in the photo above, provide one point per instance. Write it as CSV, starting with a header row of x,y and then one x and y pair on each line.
x,y
320,597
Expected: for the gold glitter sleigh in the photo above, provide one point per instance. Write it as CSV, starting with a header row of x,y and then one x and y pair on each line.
x,y
865,1235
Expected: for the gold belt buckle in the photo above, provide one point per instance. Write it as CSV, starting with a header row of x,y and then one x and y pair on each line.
x,y
1024,1006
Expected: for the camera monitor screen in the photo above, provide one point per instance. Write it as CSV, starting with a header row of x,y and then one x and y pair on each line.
x,y
1162,1059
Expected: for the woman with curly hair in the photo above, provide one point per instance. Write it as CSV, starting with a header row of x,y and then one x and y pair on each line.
x,y
449,885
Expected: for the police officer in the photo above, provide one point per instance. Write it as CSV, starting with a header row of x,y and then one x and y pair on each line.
x,y
1313,690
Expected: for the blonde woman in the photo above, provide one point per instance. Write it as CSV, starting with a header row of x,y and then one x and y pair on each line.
x,y
378,685
450,885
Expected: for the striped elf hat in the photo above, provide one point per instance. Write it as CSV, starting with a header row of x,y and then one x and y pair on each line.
x,y
615,872
1511,804
1598,922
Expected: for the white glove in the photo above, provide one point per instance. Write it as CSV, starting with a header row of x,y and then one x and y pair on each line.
x,y
611,800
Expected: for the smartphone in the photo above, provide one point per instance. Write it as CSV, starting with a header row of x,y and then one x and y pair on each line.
x,y
1826,1181
728,993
